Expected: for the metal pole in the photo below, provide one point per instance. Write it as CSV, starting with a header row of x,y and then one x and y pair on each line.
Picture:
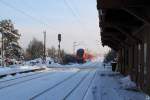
x,y
59,50
74,44
44,56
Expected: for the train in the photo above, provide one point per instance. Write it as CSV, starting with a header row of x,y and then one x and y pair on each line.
x,y
82,56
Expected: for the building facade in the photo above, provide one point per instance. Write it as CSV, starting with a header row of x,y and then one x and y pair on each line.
x,y
125,27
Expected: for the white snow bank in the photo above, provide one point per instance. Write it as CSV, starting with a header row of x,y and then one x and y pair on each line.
x,y
126,83
17,69
39,62
99,58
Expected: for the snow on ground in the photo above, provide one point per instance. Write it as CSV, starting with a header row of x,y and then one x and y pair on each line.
x,y
67,87
106,86
29,65
29,88
89,64
126,83
38,62
89,81
16,69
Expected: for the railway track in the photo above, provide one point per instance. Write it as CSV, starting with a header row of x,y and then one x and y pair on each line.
x,y
89,85
70,91
79,77
19,77
77,85
20,72
12,82
50,88
22,79
34,73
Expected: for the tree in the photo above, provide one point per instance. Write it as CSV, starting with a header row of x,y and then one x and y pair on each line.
x,y
52,52
110,56
35,49
62,53
10,36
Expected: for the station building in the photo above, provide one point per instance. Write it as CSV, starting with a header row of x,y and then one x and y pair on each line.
x,y
125,27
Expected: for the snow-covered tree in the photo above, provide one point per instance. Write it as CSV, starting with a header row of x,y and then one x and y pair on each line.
x,y
110,56
12,49
34,49
52,52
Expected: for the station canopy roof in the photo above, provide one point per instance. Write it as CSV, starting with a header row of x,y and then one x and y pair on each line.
x,y
121,20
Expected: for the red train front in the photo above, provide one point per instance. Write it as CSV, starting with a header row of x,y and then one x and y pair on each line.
x,y
82,56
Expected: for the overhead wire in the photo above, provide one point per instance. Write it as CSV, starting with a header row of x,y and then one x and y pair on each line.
x,y
77,16
26,14
71,9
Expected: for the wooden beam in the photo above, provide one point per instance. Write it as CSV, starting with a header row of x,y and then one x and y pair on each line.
x,y
122,31
112,46
113,34
118,26
107,4
123,42
111,41
139,29
139,14
113,37
129,35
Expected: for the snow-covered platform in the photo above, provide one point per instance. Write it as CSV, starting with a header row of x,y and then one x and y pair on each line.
x,y
4,71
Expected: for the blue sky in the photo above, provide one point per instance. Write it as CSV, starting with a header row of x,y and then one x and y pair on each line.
x,y
77,20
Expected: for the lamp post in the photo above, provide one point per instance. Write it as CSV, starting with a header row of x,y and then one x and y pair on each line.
x,y
44,48
59,40
74,46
